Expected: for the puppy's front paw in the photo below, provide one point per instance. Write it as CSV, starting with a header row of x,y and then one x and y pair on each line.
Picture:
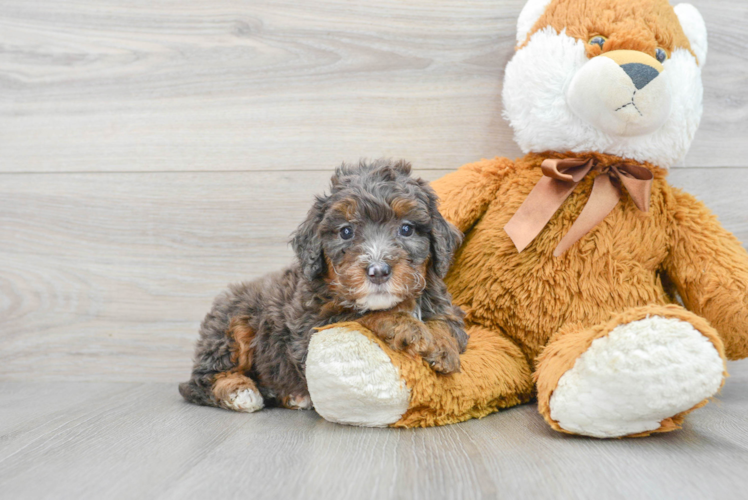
x,y
442,353
433,341
445,359
409,334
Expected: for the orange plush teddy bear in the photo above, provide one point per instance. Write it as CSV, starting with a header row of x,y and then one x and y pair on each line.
x,y
574,255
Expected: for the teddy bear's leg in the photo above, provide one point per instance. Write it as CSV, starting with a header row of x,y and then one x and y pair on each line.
x,y
640,372
354,378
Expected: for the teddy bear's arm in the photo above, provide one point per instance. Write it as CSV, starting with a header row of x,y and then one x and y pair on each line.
x,y
709,267
464,195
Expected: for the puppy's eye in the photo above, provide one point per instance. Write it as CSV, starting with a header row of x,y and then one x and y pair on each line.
x,y
598,40
405,230
660,54
346,232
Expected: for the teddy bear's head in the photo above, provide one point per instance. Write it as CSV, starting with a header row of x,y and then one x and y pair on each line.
x,y
621,77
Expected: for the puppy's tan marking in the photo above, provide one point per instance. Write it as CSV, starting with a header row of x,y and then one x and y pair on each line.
x,y
408,281
241,349
347,280
403,206
346,207
228,385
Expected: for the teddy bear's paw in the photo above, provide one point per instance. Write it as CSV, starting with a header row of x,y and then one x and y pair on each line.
x,y
244,400
640,374
352,381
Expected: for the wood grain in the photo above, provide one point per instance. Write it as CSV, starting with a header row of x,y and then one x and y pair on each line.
x,y
109,440
105,276
126,85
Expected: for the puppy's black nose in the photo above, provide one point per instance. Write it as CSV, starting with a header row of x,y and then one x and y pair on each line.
x,y
379,272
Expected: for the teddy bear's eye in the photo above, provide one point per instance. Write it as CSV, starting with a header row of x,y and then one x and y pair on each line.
x,y
661,55
598,40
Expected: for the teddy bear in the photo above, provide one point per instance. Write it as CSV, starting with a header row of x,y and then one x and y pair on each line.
x,y
588,282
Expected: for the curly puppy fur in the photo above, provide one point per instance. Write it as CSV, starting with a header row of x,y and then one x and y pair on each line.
x,y
375,251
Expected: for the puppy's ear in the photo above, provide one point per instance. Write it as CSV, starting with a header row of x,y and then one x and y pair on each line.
x,y
445,238
307,243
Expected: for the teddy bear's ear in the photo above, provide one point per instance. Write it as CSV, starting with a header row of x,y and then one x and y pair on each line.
x,y
695,29
528,17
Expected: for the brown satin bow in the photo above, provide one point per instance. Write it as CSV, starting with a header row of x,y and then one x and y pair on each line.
x,y
560,177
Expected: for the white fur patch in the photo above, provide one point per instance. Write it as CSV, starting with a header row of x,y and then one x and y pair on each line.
x,y
246,400
535,87
377,301
352,381
695,29
300,403
530,14
377,247
640,374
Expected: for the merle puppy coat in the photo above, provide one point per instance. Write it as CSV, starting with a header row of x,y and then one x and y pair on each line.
x,y
375,251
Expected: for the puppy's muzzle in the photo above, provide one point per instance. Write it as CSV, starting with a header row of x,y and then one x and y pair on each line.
x,y
379,272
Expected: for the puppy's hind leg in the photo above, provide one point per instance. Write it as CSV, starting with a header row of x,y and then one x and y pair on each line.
x,y
237,392
222,359
297,402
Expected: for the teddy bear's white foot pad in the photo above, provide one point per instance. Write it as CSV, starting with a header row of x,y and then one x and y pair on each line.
x,y
352,381
640,374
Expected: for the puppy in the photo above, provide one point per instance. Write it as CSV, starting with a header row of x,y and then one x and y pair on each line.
x,y
375,251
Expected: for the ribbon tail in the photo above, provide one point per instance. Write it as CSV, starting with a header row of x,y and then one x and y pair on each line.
x,y
537,209
638,183
603,198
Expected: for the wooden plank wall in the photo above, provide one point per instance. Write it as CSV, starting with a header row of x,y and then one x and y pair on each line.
x,y
151,152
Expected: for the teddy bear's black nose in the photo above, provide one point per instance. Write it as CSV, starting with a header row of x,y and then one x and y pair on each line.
x,y
640,74
379,272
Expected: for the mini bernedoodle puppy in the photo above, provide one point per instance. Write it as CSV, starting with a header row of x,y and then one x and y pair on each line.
x,y
374,251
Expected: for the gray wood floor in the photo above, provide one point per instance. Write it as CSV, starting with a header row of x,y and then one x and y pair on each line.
x,y
151,152
140,440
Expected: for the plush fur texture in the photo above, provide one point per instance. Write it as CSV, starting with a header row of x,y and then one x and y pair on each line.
x,y
375,249
607,309
608,266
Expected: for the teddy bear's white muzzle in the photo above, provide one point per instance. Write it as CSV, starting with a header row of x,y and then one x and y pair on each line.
x,y
621,94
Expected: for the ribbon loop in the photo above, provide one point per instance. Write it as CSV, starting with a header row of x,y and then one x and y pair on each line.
x,y
560,177
569,170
